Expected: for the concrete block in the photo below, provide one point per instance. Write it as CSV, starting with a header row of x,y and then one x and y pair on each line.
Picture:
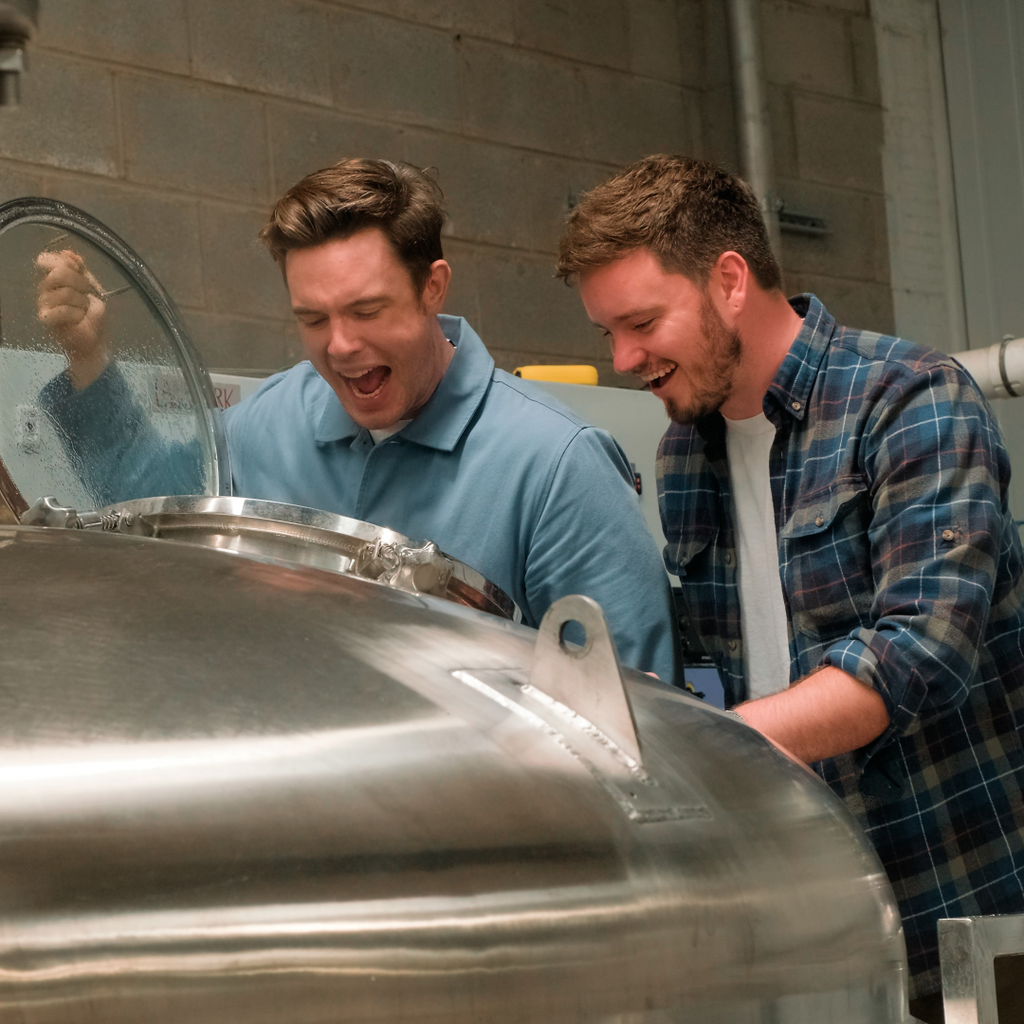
x,y
784,138
715,41
927,316
502,196
594,31
807,47
628,117
857,243
853,6
524,99
241,278
304,140
655,40
162,229
147,35
440,13
240,343
691,33
463,297
395,70
867,84
839,142
272,46
66,118
866,305
17,181
483,19
200,139
524,307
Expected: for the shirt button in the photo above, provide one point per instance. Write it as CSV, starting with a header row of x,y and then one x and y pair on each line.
x,y
948,535
819,520
796,406
729,559
733,644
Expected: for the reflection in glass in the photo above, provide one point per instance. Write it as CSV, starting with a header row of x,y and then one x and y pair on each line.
x,y
95,406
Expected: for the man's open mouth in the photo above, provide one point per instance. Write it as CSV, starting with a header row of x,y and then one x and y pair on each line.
x,y
658,378
369,383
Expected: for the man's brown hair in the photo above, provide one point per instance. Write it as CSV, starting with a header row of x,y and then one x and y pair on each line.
x,y
405,203
686,212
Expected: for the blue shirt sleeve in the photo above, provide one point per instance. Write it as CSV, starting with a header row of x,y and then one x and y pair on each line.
x,y
591,539
114,446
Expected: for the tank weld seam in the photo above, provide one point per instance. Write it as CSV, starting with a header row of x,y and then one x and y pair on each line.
x,y
584,725
625,792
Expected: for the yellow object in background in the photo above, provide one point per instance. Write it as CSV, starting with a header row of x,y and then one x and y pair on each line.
x,y
560,374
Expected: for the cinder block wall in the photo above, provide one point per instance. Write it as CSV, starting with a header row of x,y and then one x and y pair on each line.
x,y
827,126
177,123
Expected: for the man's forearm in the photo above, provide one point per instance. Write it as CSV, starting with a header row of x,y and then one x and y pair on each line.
x,y
822,715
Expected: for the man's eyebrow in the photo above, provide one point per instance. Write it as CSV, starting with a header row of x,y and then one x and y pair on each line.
x,y
369,300
631,314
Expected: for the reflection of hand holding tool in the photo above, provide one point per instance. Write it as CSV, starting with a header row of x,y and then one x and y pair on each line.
x,y
72,304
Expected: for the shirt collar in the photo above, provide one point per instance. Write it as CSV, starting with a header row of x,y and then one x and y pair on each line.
x,y
444,419
795,377
791,387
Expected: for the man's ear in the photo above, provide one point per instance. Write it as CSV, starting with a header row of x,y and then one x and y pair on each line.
x,y
730,284
436,287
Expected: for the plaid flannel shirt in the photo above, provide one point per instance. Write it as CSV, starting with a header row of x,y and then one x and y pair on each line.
x,y
901,565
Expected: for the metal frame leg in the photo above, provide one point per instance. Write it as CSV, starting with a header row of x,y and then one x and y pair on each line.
x,y
968,947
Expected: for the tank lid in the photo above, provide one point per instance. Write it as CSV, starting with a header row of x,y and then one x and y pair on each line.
x,y
103,397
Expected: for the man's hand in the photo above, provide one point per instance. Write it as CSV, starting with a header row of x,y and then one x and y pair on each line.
x,y
69,301
825,714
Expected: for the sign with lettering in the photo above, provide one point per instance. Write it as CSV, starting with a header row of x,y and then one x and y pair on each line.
x,y
227,395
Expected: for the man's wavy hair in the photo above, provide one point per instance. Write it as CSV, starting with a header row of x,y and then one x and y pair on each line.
x,y
405,203
686,212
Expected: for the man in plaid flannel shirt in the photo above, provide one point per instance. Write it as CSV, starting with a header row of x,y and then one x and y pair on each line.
x,y
895,602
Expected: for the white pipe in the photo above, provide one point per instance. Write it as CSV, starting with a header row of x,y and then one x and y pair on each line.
x,y
752,112
998,369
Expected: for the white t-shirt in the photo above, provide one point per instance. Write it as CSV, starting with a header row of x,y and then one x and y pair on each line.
x,y
762,607
386,432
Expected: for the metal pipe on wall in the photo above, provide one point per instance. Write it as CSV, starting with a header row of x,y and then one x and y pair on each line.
x,y
752,112
998,370
18,19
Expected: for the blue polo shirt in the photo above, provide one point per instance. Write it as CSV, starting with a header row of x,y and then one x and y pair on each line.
x,y
497,473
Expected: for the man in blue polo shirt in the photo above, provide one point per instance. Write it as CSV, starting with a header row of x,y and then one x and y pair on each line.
x,y
400,418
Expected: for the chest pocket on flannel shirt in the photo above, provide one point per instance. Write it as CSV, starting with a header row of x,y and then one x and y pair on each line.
x,y
826,559
687,542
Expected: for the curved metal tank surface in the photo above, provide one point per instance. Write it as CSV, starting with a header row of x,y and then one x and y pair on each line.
x,y
236,791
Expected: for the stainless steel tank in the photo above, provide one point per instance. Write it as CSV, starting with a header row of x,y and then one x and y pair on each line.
x,y
233,790
242,782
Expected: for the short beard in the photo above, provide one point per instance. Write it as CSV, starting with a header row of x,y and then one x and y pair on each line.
x,y
722,350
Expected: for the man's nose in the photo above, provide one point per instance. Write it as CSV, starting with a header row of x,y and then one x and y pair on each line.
x,y
627,357
344,339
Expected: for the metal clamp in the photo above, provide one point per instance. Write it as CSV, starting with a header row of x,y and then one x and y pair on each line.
x,y
423,570
1004,376
46,512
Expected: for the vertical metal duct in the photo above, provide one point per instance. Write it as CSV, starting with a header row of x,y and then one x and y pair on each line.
x,y
752,112
18,20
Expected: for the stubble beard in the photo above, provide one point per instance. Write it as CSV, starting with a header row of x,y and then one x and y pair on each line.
x,y
722,350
